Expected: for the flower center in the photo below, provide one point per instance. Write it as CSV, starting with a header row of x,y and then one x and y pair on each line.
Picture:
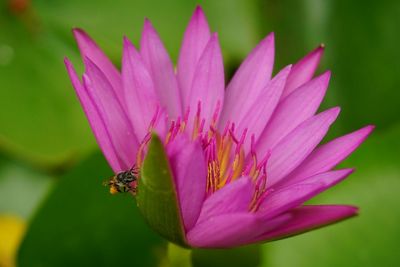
x,y
224,151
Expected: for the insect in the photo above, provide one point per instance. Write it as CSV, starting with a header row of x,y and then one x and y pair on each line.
x,y
125,181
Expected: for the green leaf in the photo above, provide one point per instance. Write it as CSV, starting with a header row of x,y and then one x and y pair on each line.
x,y
368,240
249,256
38,106
157,197
81,224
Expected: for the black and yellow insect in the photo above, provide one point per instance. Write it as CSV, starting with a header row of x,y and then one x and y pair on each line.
x,y
123,182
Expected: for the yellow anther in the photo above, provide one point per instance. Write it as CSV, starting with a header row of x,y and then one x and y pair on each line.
x,y
238,165
168,138
226,153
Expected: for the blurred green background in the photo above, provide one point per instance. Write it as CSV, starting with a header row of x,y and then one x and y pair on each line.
x,y
51,169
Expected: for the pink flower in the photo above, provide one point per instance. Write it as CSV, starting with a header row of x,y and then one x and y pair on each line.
x,y
244,157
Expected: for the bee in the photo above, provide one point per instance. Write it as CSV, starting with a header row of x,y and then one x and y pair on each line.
x,y
125,181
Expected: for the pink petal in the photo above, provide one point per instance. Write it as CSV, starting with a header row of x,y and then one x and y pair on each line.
x,y
208,83
298,144
196,37
140,95
223,231
293,110
232,198
89,49
329,155
96,122
303,70
292,196
112,113
308,218
259,114
232,230
248,82
190,172
161,69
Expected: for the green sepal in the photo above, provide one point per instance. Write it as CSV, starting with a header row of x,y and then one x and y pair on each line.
x,y
156,194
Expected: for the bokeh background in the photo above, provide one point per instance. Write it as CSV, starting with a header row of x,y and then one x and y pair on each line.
x,y
54,210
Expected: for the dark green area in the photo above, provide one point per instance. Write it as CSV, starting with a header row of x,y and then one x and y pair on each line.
x,y
249,256
81,224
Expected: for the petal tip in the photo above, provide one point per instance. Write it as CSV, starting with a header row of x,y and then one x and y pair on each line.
x,y
332,112
78,31
67,62
349,171
198,11
355,210
370,128
350,210
288,68
319,50
365,132
327,74
147,25
324,78
214,36
268,40
126,43
271,36
81,36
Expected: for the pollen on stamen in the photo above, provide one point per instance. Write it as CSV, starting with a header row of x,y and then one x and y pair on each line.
x,y
225,154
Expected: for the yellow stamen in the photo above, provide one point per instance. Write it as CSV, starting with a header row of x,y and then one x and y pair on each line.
x,y
238,165
168,137
225,153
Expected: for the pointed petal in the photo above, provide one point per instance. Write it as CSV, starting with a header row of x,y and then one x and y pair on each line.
x,y
249,80
298,144
330,154
208,82
140,96
259,114
293,110
292,196
196,37
159,64
303,70
308,218
189,168
232,230
232,198
89,49
96,123
112,113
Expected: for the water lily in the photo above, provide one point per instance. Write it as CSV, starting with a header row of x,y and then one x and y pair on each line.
x,y
243,159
